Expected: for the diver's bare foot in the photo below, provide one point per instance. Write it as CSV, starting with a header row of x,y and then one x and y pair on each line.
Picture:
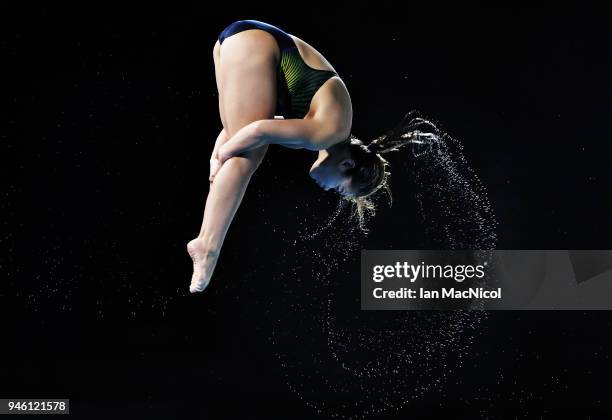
x,y
203,265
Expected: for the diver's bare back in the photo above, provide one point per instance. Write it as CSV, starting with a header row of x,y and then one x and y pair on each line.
x,y
333,93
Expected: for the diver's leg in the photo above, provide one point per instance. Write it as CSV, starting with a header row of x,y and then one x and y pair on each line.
x,y
217,62
247,91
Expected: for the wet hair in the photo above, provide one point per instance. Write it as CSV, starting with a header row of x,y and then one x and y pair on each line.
x,y
370,174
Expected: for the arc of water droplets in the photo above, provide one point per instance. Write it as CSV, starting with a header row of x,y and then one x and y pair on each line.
x,y
413,357
308,236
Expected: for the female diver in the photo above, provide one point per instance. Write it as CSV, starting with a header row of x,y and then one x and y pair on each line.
x,y
275,88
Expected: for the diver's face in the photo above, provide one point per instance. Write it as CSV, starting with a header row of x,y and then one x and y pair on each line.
x,y
330,172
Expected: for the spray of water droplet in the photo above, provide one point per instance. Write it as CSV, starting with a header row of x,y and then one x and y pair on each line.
x,y
347,363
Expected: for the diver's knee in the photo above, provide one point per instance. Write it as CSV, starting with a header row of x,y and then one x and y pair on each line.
x,y
245,166
257,156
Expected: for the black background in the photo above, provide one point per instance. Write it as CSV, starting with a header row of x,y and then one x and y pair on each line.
x,y
112,115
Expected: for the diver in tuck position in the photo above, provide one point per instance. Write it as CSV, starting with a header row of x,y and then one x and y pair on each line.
x,y
275,88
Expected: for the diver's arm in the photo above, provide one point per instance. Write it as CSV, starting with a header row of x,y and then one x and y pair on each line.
x,y
311,134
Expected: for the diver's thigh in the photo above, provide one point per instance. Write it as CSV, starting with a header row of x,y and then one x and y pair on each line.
x,y
247,78
217,62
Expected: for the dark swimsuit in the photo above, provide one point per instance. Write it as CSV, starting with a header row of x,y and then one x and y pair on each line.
x,y
297,82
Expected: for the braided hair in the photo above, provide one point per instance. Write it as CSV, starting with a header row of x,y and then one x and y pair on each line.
x,y
370,174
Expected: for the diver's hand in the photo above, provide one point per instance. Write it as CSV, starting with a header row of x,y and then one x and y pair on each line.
x,y
215,165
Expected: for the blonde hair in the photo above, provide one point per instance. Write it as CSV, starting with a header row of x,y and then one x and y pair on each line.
x,y
370,174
